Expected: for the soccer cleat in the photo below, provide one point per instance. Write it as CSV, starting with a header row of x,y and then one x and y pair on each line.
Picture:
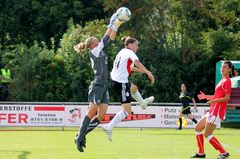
x,y
79,144
146,101
75,140
83,142
198,156
223,156
108,132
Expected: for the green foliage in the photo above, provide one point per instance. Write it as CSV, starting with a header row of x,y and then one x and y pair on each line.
x,y
39,74
223,43
183,41
180,41
29,20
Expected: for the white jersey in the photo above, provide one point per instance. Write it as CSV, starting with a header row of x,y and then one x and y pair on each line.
x,y
122,65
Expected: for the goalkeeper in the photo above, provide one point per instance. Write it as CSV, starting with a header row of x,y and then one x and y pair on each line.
x,y
98,89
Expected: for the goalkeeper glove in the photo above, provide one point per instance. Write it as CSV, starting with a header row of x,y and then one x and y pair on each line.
x,y
116,25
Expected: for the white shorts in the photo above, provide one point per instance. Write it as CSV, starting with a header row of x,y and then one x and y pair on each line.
x,y
213,119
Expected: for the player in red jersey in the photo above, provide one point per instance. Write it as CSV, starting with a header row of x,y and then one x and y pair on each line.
x,y
218,106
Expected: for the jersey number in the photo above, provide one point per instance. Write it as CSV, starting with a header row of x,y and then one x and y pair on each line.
x,y
117,62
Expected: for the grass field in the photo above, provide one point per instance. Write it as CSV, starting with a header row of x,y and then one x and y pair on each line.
x,y
127,144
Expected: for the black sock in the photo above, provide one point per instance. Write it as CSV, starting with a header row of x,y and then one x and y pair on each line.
x,y
84,127
194,120
180,122
93,124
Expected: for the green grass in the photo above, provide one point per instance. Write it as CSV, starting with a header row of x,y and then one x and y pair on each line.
x,y
127,144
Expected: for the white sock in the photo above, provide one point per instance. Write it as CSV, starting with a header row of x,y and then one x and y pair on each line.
x,y
117,119
137,96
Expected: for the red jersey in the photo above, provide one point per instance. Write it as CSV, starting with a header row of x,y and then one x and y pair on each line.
x,y
223,88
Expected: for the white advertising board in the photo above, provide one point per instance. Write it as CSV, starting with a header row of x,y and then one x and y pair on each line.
x,y
31,115
161,116
155,116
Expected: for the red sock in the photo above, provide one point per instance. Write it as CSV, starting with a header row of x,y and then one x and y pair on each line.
x,y
216,144
200,142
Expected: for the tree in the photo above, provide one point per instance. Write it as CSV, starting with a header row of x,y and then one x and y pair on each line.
x,y
29,20
180,41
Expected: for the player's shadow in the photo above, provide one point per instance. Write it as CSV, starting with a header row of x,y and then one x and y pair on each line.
x,y
14,154
24,155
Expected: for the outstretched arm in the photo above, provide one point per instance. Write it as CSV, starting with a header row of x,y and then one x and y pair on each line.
x,y
135,69
144,70
202,96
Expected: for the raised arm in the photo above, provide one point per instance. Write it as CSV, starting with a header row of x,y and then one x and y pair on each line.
x,y
111,32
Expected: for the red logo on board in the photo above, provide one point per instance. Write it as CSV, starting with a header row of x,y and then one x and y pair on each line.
x,y
132,117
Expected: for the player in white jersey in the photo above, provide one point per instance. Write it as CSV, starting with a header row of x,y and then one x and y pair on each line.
x,y
98,90
122,67
134,89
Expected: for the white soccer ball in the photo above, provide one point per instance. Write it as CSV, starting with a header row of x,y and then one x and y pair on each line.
x,y
123,14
